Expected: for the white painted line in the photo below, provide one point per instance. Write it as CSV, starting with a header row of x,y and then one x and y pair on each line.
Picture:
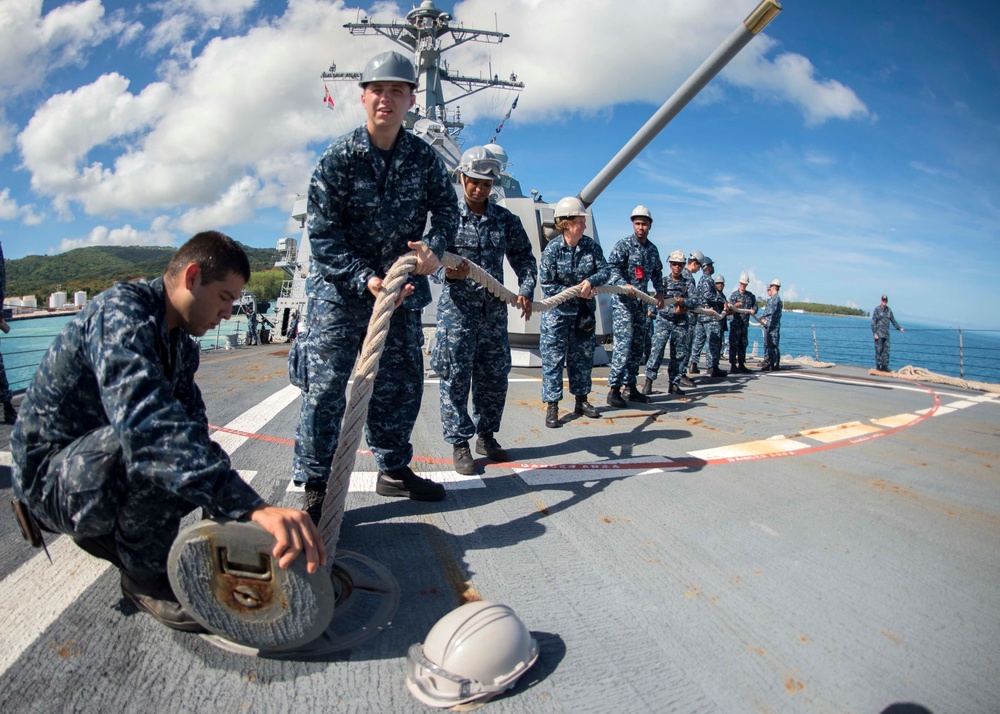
x,y
890,422
364,481
839,432
766,528
962,404
774,445
253,420
942,410
618,468
6,458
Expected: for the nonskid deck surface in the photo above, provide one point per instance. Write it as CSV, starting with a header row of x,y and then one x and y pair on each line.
x,y
808,540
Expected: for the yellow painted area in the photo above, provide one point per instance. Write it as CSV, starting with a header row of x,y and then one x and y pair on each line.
x,y
891,422
774,445
839,432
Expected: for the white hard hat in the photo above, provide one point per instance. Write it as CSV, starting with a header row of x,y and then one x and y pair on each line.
x,y
478,163
641,211
776,283
472,654
570,207
720,279
744,278
676,257
697,255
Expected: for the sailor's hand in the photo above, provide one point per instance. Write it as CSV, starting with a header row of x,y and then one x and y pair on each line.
x,y
629,290
902,329
659,301
427,262
876,337
459,273
525,304
294,532
586,291
375,287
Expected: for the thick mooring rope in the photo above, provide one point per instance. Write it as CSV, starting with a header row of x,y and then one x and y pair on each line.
x,y
920,374
367,367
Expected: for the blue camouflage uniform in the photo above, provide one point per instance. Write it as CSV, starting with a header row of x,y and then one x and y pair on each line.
x,y
649,325
471,347
634,263
5,393
361,214
881,317
708,331
112,437
771,318
738,326
692,321
564,267
672,326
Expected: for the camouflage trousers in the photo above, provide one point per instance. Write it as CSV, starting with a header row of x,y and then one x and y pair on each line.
x,y
471,351
772,354
629,326
320,363
708,335
882,354
738,341
676,333
89,492
561,343
649,327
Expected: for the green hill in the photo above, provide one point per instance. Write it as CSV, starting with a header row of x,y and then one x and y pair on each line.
x,y
96,269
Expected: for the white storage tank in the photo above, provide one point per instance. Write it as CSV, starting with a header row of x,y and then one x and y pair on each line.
x,y
57,300
80,298
29,301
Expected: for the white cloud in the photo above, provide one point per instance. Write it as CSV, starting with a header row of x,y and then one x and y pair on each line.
x,y
158,234
11,211
234,206
33,44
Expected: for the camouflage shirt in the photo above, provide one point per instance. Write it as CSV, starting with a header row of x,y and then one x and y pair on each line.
x,y
881,317
485,240
362,213
564,267
684,288
771,317
747,301
710,297
115,365
634,263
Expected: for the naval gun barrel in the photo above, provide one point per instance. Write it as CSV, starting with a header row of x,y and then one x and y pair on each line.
x,y
741,36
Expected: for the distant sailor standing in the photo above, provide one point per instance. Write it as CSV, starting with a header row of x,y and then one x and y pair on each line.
x,y
634,263
707,326
471,349
567,331
771,320
693,266
881,317
738,324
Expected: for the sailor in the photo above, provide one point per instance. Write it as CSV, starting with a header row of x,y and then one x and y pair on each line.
x,y
707,326
567,331
471,348
881,317
672,325
715,328
691,269
770,319
369,200
738,324
6,396
634,263
119,469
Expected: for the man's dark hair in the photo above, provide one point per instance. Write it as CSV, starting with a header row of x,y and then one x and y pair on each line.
x,y
216,255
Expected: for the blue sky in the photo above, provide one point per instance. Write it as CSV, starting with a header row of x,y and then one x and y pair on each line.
x,y
850,150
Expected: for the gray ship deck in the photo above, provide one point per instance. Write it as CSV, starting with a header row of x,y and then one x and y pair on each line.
x,y
802,541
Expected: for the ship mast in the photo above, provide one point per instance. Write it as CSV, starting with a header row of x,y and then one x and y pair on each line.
x,y
427,34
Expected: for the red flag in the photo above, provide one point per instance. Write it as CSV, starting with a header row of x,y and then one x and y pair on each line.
x,y
327,99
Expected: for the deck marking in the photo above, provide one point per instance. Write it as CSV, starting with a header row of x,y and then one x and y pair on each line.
x,y
63,581
838,432
364,481
895,420
6,458
236,432
763,447
546,474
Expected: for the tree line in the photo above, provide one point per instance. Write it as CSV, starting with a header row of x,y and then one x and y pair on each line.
x,y
95,269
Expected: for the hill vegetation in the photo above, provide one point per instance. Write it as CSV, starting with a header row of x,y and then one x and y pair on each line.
x,y
96,269
824,309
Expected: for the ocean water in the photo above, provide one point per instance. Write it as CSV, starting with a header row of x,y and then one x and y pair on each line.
x,y
827,338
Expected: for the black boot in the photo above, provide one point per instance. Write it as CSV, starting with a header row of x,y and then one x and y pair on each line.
x,y
634,395
585,408
9,414
490,448
462,459
675,389
552,415
647,387
693,368
615,398
716,372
